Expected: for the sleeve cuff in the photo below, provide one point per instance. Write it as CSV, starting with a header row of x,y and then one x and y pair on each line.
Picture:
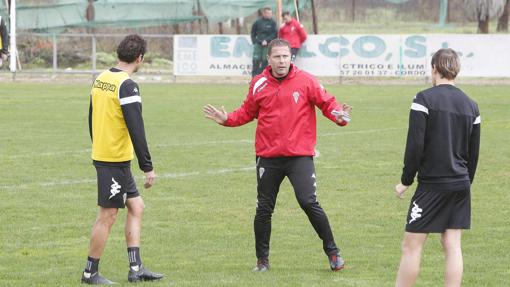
x,y
227,122
406,181
147,169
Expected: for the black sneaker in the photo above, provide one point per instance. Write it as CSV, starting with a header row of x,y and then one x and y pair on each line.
x,y
336,262
140,273
262,265
95,279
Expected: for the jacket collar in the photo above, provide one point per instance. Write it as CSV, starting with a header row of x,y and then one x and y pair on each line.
x,y
291,22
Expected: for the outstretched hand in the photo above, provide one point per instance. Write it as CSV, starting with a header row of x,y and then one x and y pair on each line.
x,y
344,114
219,116
346,108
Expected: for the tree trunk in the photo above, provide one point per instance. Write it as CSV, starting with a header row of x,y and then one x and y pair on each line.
x,y
90,15
353,10
503,20
220,28
314,18
483,26
238,26
448,8
177,29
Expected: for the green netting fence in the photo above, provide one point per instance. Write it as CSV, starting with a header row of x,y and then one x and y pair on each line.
x,y
55,15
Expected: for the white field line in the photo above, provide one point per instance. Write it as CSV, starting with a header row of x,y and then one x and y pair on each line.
x,y
241,141
179,175
360,132
203,143
50,153
159,176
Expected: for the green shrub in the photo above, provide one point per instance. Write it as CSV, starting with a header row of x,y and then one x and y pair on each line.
x,y
106,58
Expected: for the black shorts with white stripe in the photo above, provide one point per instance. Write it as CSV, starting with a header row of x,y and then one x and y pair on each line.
x,y
435,211
115,184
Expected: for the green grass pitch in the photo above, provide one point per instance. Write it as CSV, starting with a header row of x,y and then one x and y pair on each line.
x,y
198,225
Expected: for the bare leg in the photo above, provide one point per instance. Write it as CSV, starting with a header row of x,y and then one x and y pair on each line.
x,y
451,241
105,219
412,245
137,272
133,227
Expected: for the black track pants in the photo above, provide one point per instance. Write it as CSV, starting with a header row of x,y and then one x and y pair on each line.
x,y
301,173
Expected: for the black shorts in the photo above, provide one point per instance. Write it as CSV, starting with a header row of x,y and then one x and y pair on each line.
x,y
114,185
434,212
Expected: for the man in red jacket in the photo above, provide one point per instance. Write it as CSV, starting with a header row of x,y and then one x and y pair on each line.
x,y
283,100
292,31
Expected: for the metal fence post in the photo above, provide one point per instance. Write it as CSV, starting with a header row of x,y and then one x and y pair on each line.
x,y
94,56
340,79
55,63
426,74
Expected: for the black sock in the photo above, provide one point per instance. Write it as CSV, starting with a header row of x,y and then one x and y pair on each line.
x,y
134,256
92,265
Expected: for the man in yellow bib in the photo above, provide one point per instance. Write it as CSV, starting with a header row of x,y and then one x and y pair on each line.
x,y
116,129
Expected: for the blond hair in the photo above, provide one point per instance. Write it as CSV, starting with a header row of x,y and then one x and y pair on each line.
x,y
447,63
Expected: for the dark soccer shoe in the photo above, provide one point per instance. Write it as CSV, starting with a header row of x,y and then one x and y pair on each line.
x,y
95,279
142,274
262,265
336,262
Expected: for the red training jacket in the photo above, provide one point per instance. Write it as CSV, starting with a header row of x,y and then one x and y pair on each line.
x,y
285,112
293,32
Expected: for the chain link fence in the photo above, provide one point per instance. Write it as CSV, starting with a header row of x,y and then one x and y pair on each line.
x,y
84,53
